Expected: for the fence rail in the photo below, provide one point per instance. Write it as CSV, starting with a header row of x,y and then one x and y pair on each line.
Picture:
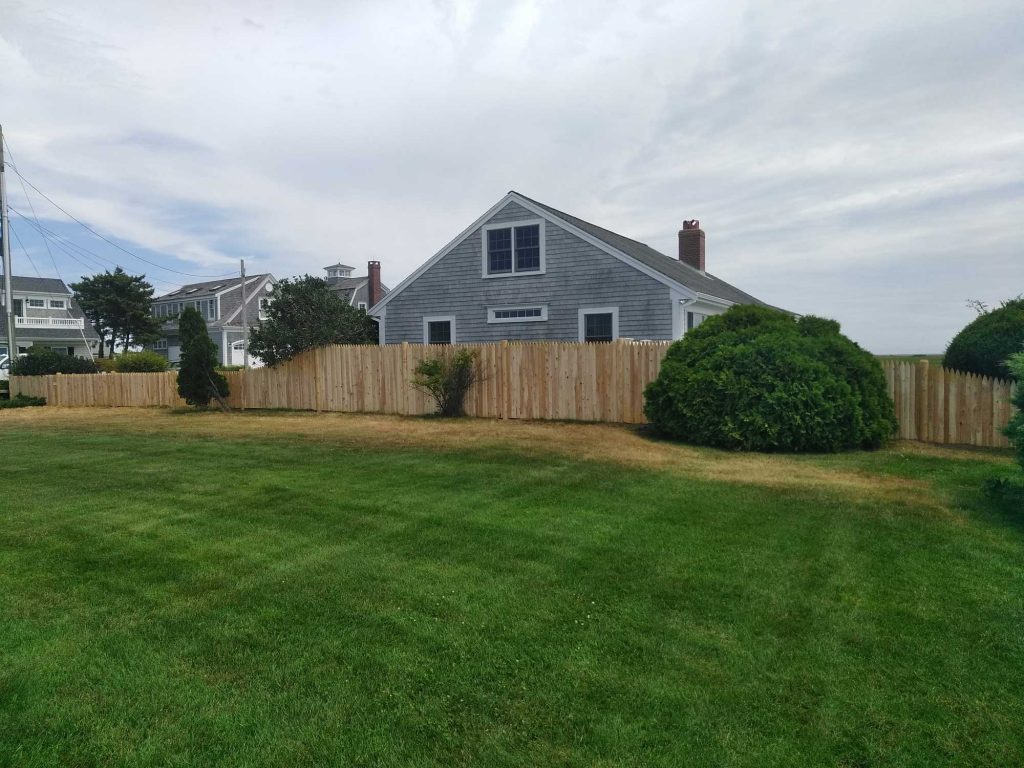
x,y
571,381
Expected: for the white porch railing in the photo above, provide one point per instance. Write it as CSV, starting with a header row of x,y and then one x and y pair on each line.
x,y
49,322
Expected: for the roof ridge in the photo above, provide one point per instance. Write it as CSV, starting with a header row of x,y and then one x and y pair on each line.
x,y
679,271
565,215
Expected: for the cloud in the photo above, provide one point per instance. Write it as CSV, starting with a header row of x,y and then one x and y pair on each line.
x,y
862,161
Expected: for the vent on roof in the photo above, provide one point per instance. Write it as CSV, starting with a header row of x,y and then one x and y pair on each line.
x,y
191,290
217,287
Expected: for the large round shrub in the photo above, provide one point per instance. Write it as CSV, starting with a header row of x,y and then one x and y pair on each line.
x,y
985,345
758,379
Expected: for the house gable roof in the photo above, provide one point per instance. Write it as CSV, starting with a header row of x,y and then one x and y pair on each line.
x,y
672,272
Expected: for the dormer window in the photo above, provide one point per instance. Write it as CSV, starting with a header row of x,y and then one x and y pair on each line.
x,y
513,249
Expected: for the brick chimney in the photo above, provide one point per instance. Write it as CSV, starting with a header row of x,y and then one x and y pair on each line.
x,y
691,244
373,287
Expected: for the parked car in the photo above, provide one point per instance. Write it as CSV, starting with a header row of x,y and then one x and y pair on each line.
x,y
5,367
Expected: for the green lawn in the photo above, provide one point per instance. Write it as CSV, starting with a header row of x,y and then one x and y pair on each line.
x,y
180,599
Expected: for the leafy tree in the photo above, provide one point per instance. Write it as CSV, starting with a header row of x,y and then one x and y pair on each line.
x,y
758,379
985,344
42,361
305,314
198,380
119,306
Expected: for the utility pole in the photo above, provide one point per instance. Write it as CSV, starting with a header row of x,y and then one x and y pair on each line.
x,y
5,234
245,321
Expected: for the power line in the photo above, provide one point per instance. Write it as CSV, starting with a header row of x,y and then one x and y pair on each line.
x,y
32,208
45,233
64,244
27,254
101,237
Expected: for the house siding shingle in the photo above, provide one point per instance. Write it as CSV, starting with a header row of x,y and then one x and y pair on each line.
x,y
577,275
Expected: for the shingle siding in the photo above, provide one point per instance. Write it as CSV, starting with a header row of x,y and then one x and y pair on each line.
x,y
577,275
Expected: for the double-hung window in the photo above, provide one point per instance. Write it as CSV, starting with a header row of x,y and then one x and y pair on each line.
x,y
58,304
36,303
513,249
439,329
599,324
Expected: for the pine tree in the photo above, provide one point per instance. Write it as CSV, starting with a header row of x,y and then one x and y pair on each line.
x,y
198,380
118,305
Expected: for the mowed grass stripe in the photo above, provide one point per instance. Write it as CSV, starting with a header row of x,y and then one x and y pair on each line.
x,y
189,601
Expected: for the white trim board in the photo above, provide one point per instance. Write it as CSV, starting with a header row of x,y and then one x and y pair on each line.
x,y
441,254
542,317
437,319
513,225
584,311
250,296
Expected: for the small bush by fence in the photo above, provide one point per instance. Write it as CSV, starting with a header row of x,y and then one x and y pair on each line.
x,y
571,381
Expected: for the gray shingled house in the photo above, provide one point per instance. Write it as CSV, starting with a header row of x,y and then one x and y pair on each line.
x,y
46,314
220,304
359,292
526,271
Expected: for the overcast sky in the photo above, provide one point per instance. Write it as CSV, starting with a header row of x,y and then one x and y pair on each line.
x,y
863,161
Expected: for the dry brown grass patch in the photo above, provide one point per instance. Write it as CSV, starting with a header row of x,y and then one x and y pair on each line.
x,y
599,442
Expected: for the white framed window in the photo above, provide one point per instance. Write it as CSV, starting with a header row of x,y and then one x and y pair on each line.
x,y
598,324
516,248
58,304
520,314
362,305
439,329
694,319
36,303
160,344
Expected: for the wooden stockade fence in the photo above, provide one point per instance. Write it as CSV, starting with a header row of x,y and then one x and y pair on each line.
x,y
585,382
934,405
572,381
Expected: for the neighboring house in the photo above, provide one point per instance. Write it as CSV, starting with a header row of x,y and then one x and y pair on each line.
x,y
220,304
359,292
47,315
525,271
